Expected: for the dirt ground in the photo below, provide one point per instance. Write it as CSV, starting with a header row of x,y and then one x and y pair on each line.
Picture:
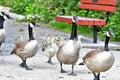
x,y
9,64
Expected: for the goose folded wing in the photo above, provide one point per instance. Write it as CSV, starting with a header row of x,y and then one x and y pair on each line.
x,y
20,46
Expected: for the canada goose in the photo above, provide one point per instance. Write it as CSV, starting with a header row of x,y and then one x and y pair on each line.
x,y
44,43
19,38
99,61
69,52
26,49
51,49
3,17
48,36
60,41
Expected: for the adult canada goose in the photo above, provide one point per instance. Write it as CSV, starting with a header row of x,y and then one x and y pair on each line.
x,y
51,49
3,17
99,61
69,52
19,38
28,48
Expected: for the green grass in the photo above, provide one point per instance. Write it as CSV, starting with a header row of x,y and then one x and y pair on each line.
x,y
81,30
65,27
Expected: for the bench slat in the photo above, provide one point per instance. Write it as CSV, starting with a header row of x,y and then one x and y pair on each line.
x,y
103,2
97,7
82,20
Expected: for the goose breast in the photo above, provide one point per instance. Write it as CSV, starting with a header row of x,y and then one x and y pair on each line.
x,y
30,49
101,62
67,54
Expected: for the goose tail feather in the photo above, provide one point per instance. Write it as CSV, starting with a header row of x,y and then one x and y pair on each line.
x,y
82,63
12,52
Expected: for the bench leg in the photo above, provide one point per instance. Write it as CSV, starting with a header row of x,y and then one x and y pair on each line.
x,y
94,34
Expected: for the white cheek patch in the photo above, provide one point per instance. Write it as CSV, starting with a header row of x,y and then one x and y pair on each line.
x,y
1,14
5,17
108,34
31,25
73,20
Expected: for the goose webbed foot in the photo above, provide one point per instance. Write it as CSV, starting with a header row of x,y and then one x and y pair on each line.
x,y
28,68
63,71
72,74
81,63
49,61
24,65
95,79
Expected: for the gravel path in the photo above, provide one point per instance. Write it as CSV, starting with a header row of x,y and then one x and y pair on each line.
x,y
9,64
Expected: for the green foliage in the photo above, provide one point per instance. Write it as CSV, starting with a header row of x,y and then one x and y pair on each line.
x,y
6,2
114,23
24,6
47,9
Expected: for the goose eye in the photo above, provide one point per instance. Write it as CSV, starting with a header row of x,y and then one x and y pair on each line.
x,y
75,18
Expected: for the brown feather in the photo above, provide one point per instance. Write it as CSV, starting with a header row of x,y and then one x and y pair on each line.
x,y
19,46
91,54
60,48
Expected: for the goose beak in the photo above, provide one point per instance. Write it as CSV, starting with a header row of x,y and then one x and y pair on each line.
x,y
6,16
37,25
111,33
10,17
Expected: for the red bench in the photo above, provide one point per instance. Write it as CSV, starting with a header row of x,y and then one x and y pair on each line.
x,y
107,6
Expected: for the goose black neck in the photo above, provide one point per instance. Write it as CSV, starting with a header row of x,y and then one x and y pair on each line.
x,y
30,30
1,22
74,31
106,43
